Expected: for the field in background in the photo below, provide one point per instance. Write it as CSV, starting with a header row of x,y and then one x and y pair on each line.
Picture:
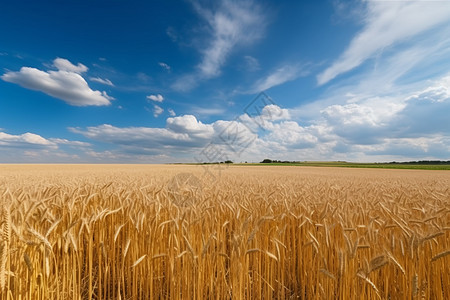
x,y
356,165
256,232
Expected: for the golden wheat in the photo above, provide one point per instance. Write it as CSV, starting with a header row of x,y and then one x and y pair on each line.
x,y
129,232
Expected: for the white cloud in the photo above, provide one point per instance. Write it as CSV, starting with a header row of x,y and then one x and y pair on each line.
x,y
171,112
188,124
33,148
387,23
63,64
251,63
186,135
172,34
405,125
207,111
24,139
439,92
31,139
180,132
164,66
426,112
157,98
420,148
143,77
157,110
410,125
69,143
278,77
65,84
186,82
231,24
102,81
293,136
273,112
364,122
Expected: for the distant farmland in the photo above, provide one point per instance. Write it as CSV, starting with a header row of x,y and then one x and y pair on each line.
x,y
409,165
254,232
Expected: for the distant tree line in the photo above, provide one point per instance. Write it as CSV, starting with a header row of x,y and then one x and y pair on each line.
x,y
420,162
269,161
218,162
423,162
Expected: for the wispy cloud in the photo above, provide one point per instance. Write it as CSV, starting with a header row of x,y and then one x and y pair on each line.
x,y
208,111
278,77
186,82
102,81
66,84
172,34
157,110
386,24
251,63
231,24
156,98
164,66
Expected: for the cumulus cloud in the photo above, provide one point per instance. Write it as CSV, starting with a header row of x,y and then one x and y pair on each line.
x,y
401,126
426,112
244,138
157,98
102,81
371,120
30,139
33,148
188,124
63,64
66,84
409,125
292,136
180,132
274,113
438,92
386,24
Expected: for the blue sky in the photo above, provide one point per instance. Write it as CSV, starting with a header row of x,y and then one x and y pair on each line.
x,y
179,81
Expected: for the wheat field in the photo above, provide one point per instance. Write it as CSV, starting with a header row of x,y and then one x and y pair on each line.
x,y
169,232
